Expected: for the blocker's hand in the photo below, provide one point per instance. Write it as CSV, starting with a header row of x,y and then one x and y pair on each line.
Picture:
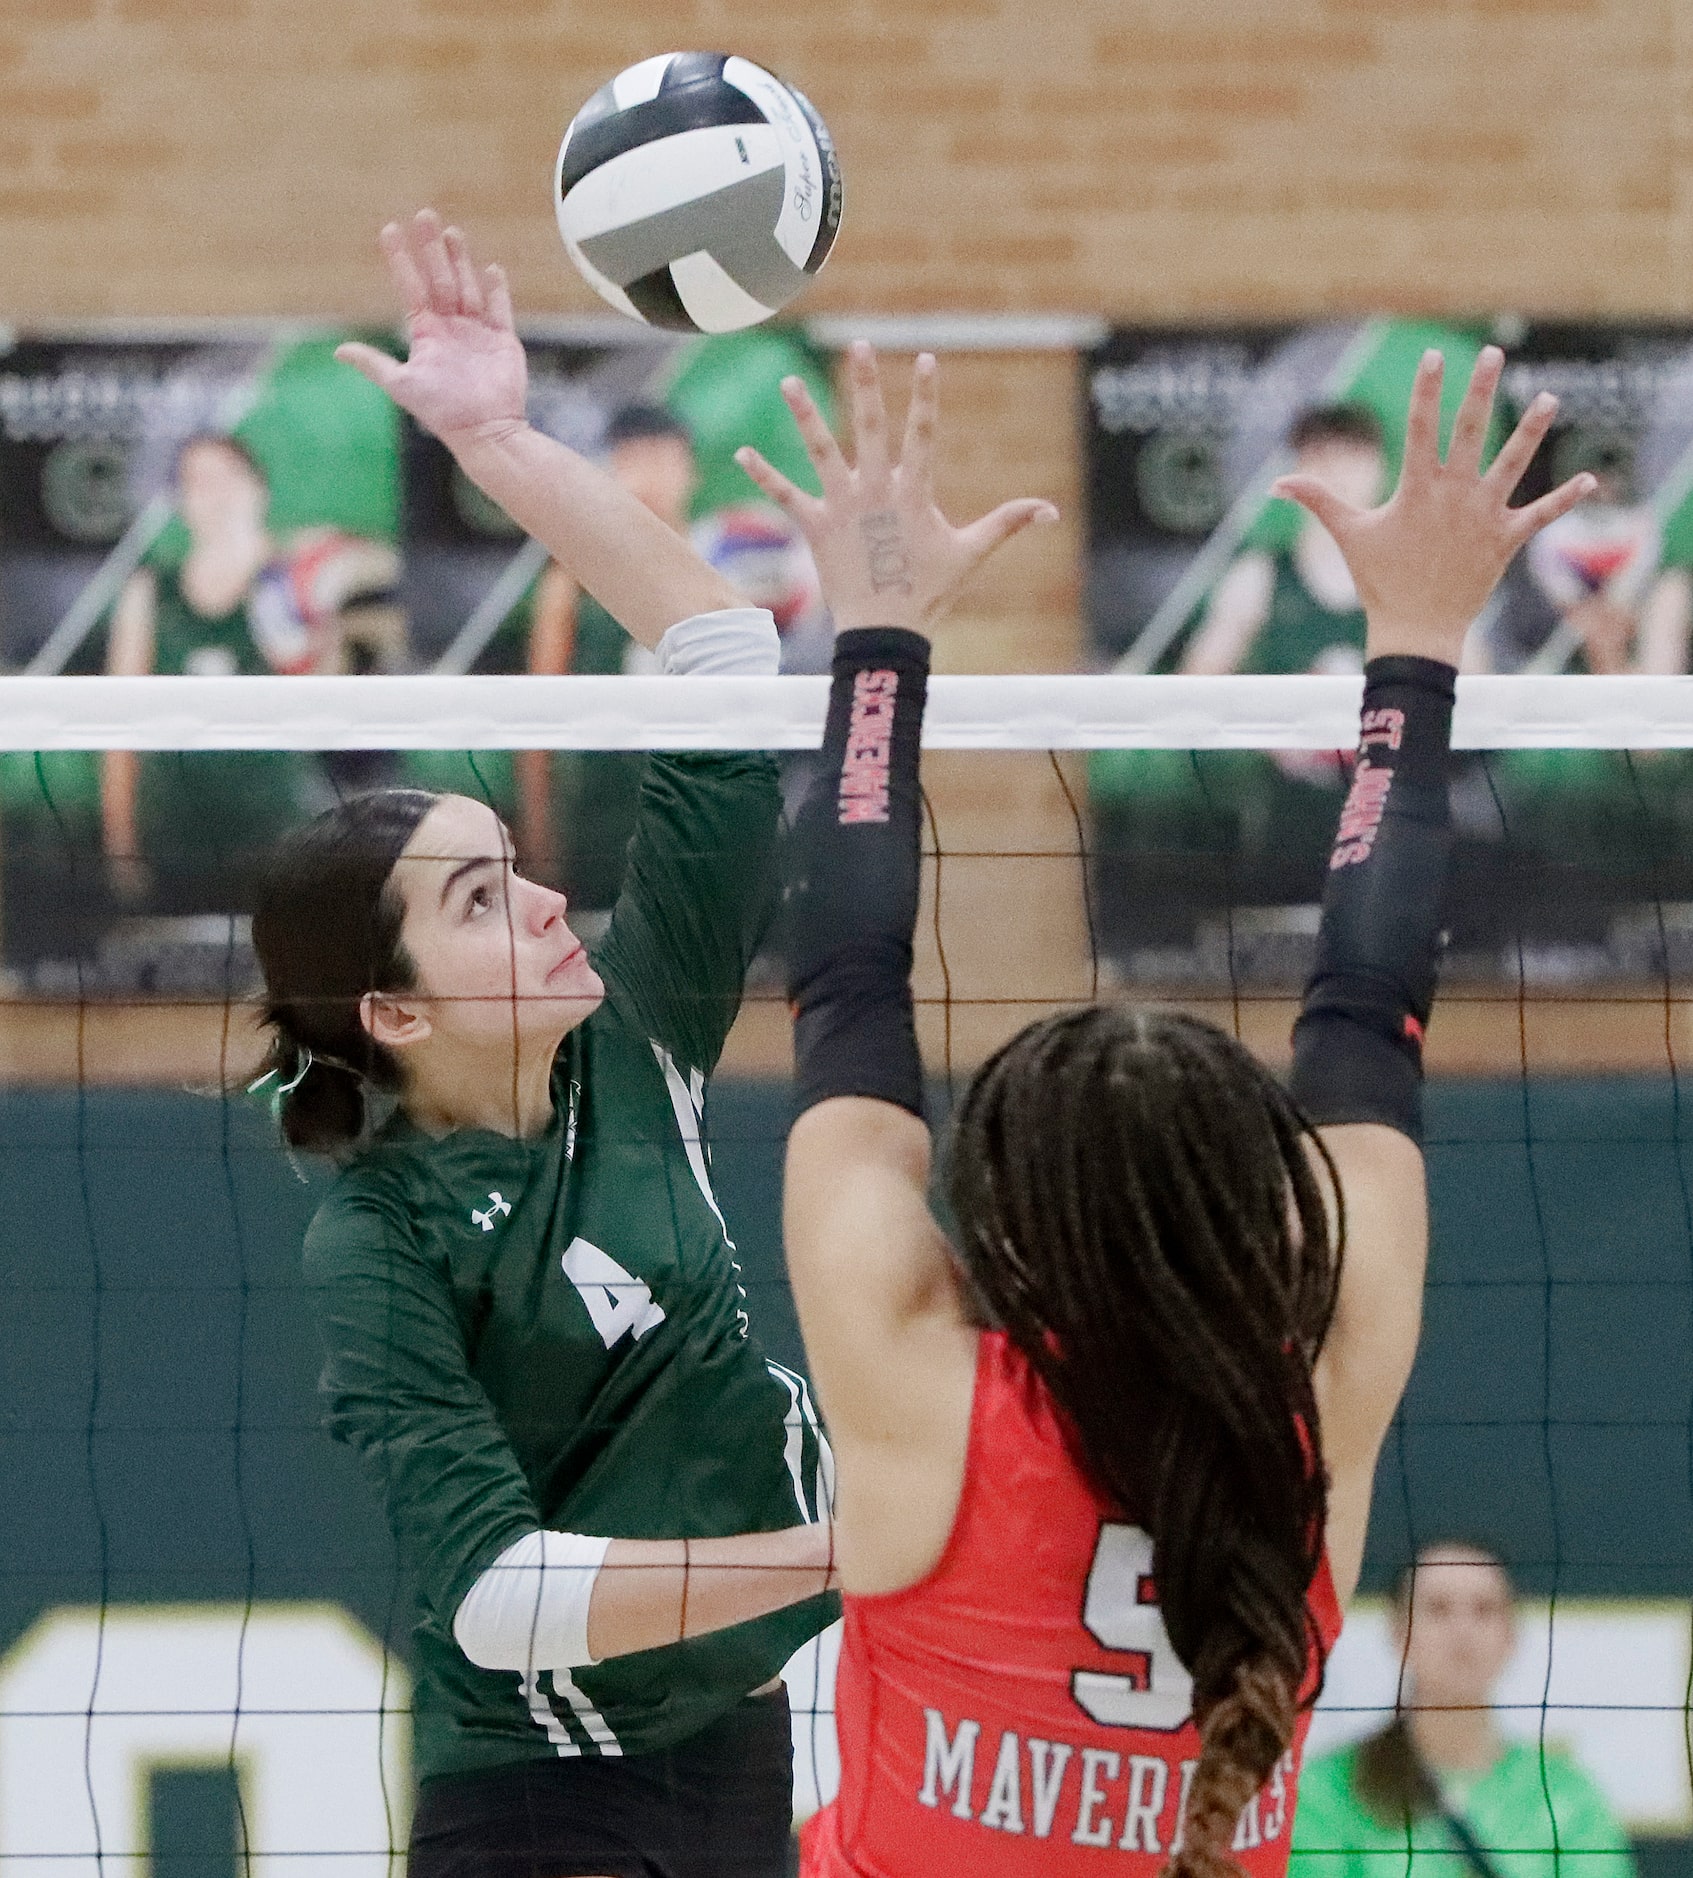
x,y
1426,560
885,553
466,374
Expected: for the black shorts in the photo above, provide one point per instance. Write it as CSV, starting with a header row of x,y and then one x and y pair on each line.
x,y
718,1805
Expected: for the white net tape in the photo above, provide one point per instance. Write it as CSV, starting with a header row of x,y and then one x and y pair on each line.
x,y
1071,711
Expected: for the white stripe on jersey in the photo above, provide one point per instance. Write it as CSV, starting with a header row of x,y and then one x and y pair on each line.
x,y
687,1101
542,1712
599,1729
800,1418
793,1445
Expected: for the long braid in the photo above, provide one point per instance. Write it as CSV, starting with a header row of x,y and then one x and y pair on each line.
x,y
1137,1209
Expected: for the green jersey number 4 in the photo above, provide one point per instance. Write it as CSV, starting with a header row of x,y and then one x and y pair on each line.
x,y
616,1300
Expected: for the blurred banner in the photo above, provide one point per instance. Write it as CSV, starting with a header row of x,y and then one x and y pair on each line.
x,y
1192,567
233,500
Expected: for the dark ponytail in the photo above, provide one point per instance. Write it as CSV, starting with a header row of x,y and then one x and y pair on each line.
x,y
327,931
1136,1208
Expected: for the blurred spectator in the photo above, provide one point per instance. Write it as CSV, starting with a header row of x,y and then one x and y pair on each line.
x,y
1295,609
1591,593
185,829
574,810
766,560
1284,609
1439,1792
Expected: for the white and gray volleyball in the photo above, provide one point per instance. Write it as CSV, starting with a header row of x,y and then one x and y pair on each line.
x,y
697,192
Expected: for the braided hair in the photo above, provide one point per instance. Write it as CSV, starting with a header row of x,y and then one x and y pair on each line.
x,y
327,931
1136,1208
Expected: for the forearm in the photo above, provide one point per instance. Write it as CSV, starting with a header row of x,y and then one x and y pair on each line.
x,y
1358,1041
556,1600
853,870
643,573
651,1592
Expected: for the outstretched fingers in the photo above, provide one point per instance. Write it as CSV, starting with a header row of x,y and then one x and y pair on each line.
x,y
922,416
997,527
497,292
1334,512
801,508
815,434
466,278
1509,466
403,270
373,363
1475,414
1533,516
869,413
1422,422
429,251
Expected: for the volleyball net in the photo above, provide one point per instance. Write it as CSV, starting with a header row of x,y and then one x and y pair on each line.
x,y
205,1632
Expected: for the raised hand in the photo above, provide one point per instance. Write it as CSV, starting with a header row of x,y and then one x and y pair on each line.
x,y
885,553
466,372
1426,560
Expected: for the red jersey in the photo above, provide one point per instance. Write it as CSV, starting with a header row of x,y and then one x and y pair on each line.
x,y
1021,1710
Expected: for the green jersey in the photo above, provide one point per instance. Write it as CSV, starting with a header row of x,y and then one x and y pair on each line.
x,y
550,1332
1299,631
1523,1806
204,809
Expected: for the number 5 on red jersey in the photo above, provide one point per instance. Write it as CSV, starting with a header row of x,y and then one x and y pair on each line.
x,y
1120,1612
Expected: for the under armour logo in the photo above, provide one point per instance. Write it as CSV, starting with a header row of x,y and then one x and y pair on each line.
x,y
496,1206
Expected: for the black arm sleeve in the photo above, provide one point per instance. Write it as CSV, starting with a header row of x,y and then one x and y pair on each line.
x,y
1358,1044
853,865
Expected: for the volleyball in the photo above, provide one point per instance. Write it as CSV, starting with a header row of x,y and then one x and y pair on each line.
x,y
697,192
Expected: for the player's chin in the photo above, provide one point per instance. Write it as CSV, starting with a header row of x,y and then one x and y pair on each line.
x,y
573,994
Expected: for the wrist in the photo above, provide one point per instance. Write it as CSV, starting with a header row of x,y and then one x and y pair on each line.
x,y
1415,668
484,443
852,619
879,640
1415,639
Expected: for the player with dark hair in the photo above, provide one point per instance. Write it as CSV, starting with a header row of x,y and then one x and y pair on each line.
x,y
188,830
1295,608
1320,424
613,1506
1105,1458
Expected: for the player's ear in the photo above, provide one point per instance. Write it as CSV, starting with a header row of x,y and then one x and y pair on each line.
x,y
395,1023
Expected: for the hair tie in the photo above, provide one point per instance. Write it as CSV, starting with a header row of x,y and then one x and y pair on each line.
x,y
306,1060
303,1057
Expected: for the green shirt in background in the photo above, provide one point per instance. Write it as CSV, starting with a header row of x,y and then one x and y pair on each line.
x,y
208,819
1526,1804
1299,632
551,1332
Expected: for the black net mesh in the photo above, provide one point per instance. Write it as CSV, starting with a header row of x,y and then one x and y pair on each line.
x,y
206,1631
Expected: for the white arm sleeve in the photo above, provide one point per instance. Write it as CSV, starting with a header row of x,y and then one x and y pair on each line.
x,y
739,642
529,1609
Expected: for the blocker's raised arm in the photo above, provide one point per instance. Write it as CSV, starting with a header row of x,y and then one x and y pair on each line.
x,y
1425,562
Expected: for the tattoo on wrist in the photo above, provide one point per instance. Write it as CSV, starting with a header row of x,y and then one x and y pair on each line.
x,y
890,563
